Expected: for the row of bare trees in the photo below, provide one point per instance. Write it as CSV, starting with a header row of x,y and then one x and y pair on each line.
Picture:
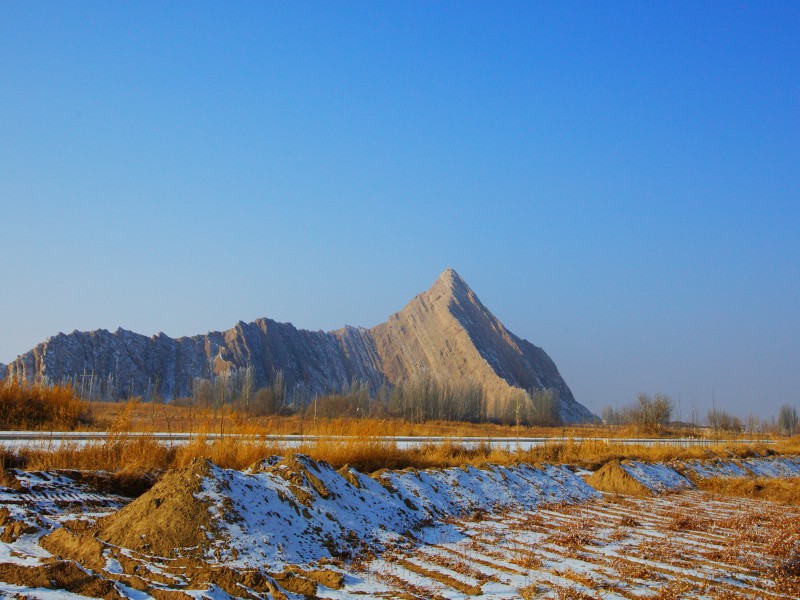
x,y
236,388
418,398
647,412
655,412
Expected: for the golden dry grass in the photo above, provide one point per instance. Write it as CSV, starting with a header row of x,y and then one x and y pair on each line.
x,y
170,417
361,443
783,491
36,407
126,453
789,445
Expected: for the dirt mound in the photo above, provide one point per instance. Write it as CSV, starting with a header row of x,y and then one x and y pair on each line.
x,y
168,520
59,575
14,529
611,477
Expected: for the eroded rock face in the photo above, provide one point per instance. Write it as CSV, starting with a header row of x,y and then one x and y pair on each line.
x,y
446,331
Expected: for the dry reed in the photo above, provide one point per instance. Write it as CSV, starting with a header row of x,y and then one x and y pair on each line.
x,y
783,491
37,407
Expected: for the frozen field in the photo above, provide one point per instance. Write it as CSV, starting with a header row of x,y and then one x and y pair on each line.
x,y
295,528
681,545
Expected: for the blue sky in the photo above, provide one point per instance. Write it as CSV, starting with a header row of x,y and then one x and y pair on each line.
x,y
619,182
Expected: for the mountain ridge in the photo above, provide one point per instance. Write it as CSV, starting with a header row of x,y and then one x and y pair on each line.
x,y
445,331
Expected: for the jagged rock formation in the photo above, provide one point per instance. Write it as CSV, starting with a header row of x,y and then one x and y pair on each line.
x,y
445,331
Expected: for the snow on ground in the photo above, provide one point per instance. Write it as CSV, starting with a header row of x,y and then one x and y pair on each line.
x,y
611,548
656,477
704,469
494,532
305,511
759,466
41,502
16,592
774,466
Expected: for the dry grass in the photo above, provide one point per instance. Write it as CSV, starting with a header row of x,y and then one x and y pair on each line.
x,y
170,417
359,443
783,491
123,452
789,445
38,407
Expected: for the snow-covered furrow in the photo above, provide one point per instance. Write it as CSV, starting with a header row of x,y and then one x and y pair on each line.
x,y
492,532
761,466
531,554
656,477
295,514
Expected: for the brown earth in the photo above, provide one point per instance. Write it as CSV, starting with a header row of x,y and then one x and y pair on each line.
x,y
59,575
80,547
326,577
12,528
8,480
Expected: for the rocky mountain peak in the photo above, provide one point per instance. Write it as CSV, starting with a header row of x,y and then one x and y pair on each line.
x,y
449,285
445,331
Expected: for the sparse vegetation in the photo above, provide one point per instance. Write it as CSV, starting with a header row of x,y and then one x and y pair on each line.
x,y
359,441
721,420
365,450
419,398
649,414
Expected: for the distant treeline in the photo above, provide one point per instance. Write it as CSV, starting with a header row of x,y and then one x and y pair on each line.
x,y
422,397
654,413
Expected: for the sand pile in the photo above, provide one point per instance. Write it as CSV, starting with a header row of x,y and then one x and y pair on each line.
x,y
612,478
273,528
169,520
296,511
633,478
277,527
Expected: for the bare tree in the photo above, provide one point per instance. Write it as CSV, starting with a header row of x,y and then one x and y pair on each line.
x,y
787,419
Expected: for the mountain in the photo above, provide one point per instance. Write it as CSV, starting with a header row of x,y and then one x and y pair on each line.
x,y
445,331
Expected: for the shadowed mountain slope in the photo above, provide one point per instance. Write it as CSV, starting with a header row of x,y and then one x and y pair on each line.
x,y
445,331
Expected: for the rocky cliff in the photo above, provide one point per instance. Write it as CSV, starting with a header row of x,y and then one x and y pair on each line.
x,y
445,331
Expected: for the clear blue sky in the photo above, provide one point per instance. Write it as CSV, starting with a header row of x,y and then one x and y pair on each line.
x,y
618,182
